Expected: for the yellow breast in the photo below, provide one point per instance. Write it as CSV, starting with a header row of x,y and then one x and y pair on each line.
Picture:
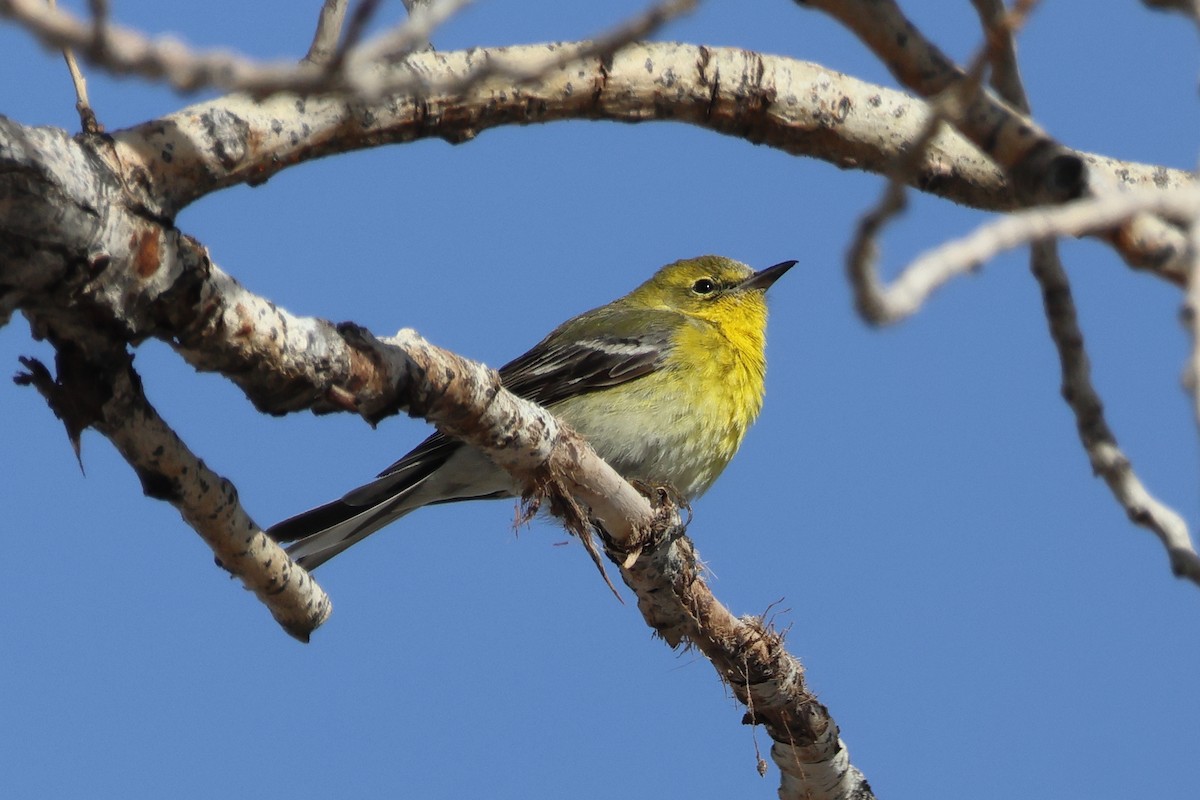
x,y
680,425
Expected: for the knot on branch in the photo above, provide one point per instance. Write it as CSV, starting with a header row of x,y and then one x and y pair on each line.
x,y
665,526
366,365
78,395
1050,174
770,682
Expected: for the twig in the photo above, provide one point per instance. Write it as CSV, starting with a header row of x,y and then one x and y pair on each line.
x,y
1091,216
359,20
329,31
405,39
874,301
128,52
1107,458
1189,7
1040,169
748,655
1191,316
1000,26
87,117
106,394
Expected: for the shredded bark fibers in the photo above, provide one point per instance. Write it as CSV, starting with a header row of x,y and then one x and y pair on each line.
x,y
562,504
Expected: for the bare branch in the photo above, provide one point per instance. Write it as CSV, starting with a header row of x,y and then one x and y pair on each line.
x,y
1188,7
795,106
87,117
748,656
1093,216
909,291
1041,169
1107,458
106,393
329,31
1000,26
875,302
128,52
801,108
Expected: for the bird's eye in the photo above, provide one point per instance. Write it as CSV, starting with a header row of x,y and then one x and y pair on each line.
x,y
704,286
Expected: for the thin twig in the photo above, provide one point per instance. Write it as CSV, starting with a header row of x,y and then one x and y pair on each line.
x,y
329,31
128,52
870,295
1000,27
1090,216
1107,459
364,12
1190,8
87,117
413,35
1191,316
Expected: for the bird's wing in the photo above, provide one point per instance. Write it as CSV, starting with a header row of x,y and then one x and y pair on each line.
x,y
572,360
583,355
580,356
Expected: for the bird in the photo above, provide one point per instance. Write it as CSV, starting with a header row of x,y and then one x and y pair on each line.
x,y
662,382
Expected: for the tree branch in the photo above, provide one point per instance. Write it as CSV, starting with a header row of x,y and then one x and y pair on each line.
x,y
797,107
355,69
328,32
1107,459
104,392
882,304
1092,216
124,277
748,655
1041,169
465,400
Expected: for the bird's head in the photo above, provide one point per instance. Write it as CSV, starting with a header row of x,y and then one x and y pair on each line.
x,y
711,288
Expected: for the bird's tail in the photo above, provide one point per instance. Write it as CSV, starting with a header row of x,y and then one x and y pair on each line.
x,y
439,470
319,534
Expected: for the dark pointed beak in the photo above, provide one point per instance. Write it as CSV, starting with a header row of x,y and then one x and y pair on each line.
x,y
763,279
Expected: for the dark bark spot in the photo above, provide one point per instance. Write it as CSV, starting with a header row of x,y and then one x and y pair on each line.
x,y
230,135
157,485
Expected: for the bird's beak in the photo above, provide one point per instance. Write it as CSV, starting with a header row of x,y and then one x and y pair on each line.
x,y
763,279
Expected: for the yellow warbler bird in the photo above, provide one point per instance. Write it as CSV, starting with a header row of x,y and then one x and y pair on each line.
x,y
662,382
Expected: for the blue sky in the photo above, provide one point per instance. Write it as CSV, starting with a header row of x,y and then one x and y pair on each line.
x,y
913,504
